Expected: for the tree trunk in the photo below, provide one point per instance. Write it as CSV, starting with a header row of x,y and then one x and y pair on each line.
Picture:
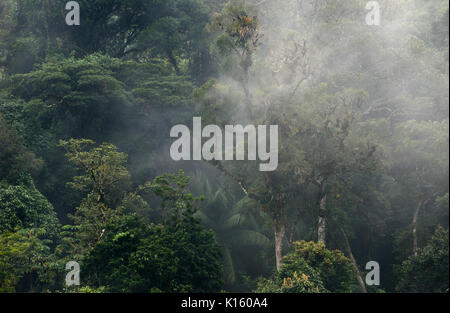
x,y
354,264
246,63
174,62
280,231
321,227
414,228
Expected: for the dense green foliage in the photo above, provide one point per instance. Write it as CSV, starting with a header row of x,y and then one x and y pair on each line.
x,y
334,268
13,251
135,257
422,273
22,206
296,277
363,168
311,268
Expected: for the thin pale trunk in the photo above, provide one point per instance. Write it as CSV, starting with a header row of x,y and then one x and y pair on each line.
x,y
356,271
414,229
321,227
280,231
100,203
246,63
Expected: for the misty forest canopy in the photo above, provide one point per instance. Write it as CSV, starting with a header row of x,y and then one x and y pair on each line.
x,y
86,114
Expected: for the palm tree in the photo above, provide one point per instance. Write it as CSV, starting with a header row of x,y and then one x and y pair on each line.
x,y
232,221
